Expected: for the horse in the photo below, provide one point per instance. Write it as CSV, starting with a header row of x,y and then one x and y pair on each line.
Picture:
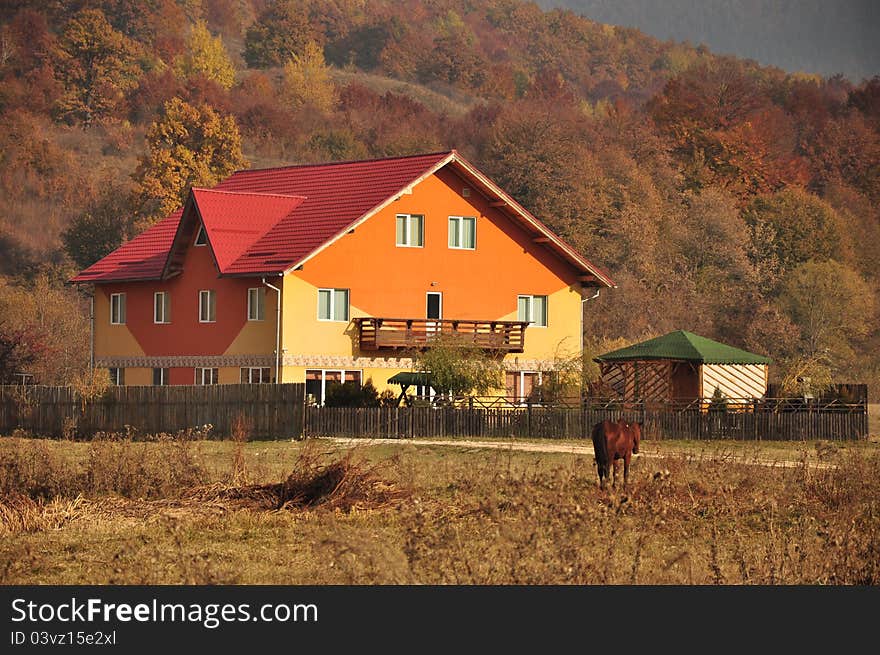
x,y
611,442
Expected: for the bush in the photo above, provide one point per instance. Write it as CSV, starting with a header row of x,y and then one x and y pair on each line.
x,y
350,394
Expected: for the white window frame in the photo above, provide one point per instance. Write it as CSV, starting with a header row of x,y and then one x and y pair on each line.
x,y
519,396
200,375
250,374
212,300
118,378
117,300
461,220
332,305
531,317
260,313
202,235
163,376
407,230
165,306
325,371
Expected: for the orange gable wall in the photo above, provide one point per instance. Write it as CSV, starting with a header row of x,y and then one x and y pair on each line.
x,y
184,335
387,280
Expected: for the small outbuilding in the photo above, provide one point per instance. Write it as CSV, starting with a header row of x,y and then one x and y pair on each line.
x,y
682,366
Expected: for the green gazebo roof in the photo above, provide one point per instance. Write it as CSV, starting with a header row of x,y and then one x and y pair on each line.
x,y
406,378
687,346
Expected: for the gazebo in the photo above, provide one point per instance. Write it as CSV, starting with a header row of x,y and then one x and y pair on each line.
x,y
683,366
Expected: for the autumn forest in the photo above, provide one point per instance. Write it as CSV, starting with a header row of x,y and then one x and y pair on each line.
x,y
736,201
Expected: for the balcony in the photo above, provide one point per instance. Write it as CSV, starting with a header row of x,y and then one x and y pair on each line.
x,y
418,333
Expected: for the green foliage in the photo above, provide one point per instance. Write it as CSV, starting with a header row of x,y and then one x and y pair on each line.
x,y
280,31
187,146
351,394
459,368
832,306
206,56
791,227
718,401
97,66
388,398
100,229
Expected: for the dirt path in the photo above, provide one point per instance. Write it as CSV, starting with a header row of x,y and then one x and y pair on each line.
x,y
577,449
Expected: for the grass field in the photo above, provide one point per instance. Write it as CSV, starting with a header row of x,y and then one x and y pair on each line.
x,y
316,513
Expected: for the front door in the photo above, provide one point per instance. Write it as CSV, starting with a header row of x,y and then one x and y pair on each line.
x,y
433,312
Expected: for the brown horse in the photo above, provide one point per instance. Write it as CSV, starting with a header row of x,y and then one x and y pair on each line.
x,y
611,442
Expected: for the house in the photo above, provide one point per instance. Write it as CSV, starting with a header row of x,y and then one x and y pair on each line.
x,y
336,272
682,366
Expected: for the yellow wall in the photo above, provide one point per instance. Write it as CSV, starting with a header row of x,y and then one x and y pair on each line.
x,y
112,340
138,376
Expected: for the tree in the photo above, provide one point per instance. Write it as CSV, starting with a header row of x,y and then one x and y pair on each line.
x,y
307,81
16,354
49,327
96,65
187,146
457,367
280,31
791,227
206,56
100,229
832,306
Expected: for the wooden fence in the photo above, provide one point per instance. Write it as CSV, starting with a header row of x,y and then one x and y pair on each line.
x,y
267,410
544,422
278,411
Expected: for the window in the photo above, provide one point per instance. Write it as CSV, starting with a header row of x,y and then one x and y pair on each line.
x,y
532,309
201,237
410,230
117,376
318,379
332,304
463,232
522,385
255,375
206,376
161,307
160,376
117,309
207,307
257,304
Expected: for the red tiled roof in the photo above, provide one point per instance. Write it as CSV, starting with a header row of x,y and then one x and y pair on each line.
x,y
142,258
266,221
235,221
331,197
337,195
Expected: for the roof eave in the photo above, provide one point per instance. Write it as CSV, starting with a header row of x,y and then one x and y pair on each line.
x,y
561,247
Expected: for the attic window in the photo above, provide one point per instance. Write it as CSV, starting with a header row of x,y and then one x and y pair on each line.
x,y
263,254
201,237
465,192
275,261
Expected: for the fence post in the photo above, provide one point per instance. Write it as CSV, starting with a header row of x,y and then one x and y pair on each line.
x,y
529,406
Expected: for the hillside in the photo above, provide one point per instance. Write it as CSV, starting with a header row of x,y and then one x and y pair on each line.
x,y
736,201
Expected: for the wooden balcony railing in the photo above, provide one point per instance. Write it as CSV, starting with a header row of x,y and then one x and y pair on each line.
x,y
377,333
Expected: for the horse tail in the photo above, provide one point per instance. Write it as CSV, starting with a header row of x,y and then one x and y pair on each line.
x,y
600,445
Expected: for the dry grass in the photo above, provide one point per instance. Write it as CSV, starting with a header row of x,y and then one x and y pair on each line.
x,y
405,514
